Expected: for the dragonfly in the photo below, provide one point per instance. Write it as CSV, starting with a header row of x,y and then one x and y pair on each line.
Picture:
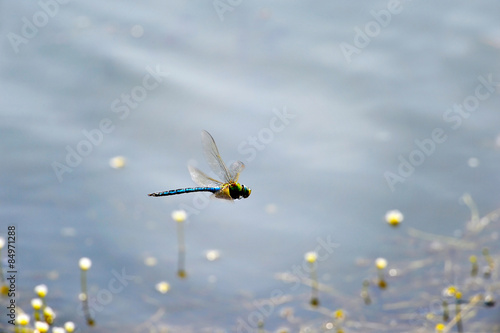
x,y
229,189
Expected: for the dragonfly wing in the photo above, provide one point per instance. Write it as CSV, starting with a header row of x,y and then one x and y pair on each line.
x,y
213,157
202,179
235,169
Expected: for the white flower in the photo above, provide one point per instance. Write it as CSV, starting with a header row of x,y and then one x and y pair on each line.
x,y
23,319
212,255
41,290
117,162
381,263
42,326
394,217
179,215
85,263
163,287
311,256
69,326
36,303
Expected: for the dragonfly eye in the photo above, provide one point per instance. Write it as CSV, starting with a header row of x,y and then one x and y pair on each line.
x,y
245,191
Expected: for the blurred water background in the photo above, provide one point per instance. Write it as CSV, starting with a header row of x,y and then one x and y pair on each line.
x,y
340,111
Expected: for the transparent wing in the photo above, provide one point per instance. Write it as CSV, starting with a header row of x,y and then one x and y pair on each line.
x,y
202,179
213,158
235,169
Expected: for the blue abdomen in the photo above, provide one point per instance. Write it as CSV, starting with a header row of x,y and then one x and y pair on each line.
x,y
185,190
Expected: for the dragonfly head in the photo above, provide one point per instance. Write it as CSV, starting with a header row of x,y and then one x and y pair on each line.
x,y
245,191
238,191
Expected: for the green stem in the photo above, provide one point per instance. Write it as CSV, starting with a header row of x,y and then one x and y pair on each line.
x,y
85,300
181,269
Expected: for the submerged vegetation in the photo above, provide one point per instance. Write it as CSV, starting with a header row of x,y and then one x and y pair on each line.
x,y
443,284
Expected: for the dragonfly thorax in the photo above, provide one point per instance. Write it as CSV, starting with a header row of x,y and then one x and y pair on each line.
x,y
238,191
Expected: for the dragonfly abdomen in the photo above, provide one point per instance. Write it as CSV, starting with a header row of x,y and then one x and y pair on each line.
x,y
185,190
